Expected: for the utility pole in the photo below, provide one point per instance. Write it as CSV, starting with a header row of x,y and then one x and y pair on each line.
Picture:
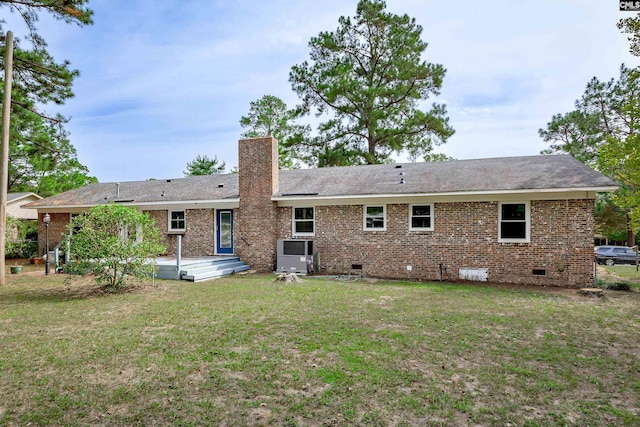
x,y
4,153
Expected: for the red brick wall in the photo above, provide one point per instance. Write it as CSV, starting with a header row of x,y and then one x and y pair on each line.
x,y
198,238
256,218
465,235
57,230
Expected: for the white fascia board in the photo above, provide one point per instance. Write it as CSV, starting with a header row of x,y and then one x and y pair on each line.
x,y
469,196
190,204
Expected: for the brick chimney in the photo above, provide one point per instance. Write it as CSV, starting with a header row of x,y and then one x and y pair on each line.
x,y
256,218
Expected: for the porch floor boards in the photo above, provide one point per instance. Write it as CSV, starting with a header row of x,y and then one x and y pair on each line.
x,y
185,261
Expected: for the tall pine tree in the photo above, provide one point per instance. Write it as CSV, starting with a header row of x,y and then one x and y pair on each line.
x,y
368,77
42,159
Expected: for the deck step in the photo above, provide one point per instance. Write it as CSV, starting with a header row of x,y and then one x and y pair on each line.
x,y
197,270
214,273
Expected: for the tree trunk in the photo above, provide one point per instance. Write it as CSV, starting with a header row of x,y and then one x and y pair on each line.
x,y
631,237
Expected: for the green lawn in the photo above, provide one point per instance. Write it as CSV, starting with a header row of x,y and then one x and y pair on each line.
x,y
247,351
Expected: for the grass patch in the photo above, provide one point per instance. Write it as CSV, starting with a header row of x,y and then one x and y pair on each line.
x,y
246,351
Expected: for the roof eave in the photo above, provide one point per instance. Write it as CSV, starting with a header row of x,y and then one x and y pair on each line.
x,y
447,194
199,203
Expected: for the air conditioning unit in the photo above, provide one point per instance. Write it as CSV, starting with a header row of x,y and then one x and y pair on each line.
x,y
295,256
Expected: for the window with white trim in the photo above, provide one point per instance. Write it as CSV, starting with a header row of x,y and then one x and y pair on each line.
x,y
514,222
421,217
375,218
177,221
303,221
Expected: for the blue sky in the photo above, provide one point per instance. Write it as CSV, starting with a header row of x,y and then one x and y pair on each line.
x,y
163,81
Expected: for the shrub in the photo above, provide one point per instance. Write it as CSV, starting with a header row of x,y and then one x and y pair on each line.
x,y
113,242
18,238
618,286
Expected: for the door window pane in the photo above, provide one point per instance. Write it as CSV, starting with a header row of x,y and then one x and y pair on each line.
x,y
226,236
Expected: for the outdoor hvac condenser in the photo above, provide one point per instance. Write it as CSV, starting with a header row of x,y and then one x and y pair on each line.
x,y
295,256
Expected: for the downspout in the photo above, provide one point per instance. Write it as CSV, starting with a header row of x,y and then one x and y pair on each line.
x,y
178,253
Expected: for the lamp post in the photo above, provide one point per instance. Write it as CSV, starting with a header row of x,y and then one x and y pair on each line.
x,y
47,220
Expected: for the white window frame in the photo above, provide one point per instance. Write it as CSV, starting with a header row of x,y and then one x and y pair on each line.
x,y
364,218
411,227
169,228
294,221
527,221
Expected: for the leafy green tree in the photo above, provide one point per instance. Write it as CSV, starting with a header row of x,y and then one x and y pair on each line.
x,y
41,157
69,11
113,241
620,159
269,115
631,26
602,131
602,112
204,165
336,155
437,157
369,76
39,78
610,220
576,133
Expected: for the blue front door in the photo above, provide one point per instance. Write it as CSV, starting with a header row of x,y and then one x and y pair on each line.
x,y
224,232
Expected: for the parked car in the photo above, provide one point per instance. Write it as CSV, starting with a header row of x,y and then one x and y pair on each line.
x,y
611,255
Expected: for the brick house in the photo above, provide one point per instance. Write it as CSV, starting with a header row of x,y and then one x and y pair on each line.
x,y
527,220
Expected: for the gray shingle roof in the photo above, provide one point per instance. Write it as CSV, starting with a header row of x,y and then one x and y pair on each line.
x,y
479,175
197,188
456,176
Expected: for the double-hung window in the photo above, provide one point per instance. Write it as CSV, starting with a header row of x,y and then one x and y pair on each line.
x,y
375,218
421,217
514,222
177,221
303,221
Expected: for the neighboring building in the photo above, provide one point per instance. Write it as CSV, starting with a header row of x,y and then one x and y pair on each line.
x,y
15,203
527,220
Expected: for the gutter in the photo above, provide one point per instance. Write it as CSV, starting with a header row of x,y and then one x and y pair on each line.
x,y
132,202
297,197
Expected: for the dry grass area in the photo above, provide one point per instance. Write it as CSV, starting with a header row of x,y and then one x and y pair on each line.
x,y
247,351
